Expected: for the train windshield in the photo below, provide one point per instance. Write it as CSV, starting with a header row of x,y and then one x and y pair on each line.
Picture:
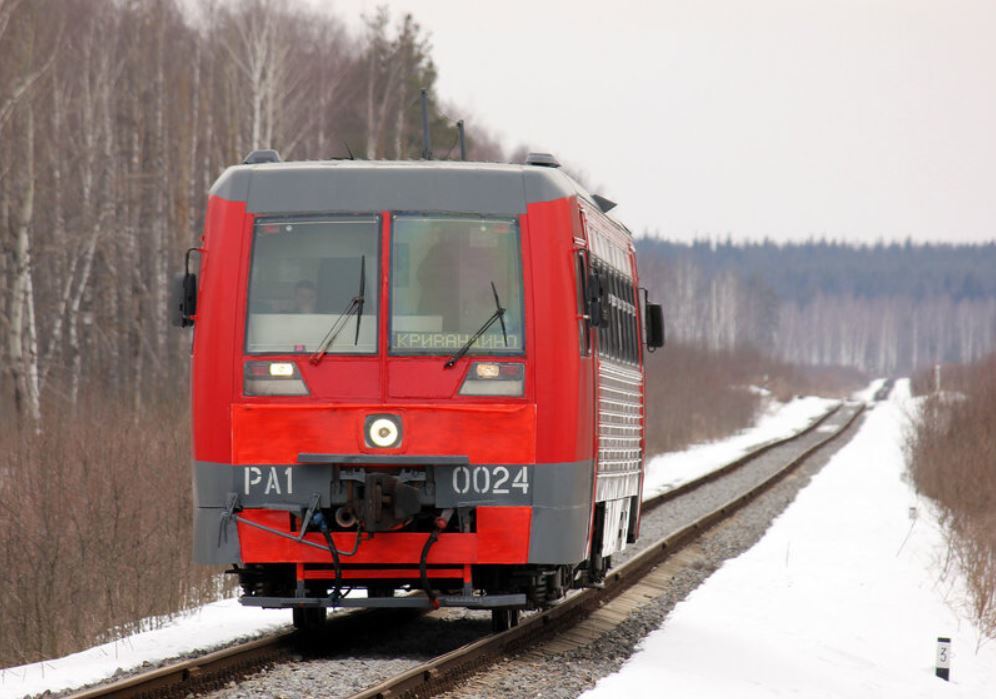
x,y
442,269
305,274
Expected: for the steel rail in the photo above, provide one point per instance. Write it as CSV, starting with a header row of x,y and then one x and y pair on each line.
x,y
696,483
216,668
443,672
197,673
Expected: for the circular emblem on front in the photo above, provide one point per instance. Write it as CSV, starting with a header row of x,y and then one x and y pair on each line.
x,y
383,431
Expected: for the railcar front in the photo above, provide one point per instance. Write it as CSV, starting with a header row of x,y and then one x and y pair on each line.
x,y
388,390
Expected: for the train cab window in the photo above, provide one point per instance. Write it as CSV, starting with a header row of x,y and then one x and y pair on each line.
x,y
305,274
442,271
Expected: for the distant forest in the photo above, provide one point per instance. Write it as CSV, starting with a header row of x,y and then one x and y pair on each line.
x,y
802,271
882,308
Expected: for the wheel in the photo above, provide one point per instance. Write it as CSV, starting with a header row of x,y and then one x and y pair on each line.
x,y
503,619
309,618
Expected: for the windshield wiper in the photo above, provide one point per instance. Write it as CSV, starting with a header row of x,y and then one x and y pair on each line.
x,y
355,306
360,297
499,315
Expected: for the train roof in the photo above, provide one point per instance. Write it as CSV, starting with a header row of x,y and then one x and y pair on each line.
x,y
275,188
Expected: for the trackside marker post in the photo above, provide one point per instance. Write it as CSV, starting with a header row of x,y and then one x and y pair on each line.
x,y
943,665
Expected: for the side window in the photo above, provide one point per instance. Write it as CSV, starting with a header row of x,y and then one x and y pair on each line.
x,y
634,348
584,334
605,339
617,339
606,334
624,300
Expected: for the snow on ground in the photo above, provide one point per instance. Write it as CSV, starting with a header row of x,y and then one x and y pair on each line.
x,y
205,627
667,471
842,597
223,622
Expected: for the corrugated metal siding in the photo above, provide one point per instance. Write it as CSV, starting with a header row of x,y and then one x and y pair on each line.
x,y
620,417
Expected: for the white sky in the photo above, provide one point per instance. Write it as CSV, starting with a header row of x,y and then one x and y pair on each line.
x,y
857,119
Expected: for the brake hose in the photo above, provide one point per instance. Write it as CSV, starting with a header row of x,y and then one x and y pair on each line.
x,y
319,519
438,525
422,569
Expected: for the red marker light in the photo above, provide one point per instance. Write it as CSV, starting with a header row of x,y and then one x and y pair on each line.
x,y
513,371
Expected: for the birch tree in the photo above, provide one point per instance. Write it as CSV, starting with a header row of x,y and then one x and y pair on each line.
x,y
110,135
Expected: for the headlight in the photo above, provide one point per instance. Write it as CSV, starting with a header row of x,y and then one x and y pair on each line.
x,y
383,431
494,379
273,379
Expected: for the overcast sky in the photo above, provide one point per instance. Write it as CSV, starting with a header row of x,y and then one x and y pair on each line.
x,y
855,119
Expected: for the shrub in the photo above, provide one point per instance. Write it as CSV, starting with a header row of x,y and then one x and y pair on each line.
x,y
952,458
696,394
97,528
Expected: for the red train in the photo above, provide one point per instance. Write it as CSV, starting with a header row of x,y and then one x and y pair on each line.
x,y
414,376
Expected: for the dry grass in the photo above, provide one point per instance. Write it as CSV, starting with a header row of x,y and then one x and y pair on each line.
x,y
696,394
952,457
97,529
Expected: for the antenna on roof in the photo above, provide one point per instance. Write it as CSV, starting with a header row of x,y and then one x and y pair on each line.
x,y
349,150
426,137
463,145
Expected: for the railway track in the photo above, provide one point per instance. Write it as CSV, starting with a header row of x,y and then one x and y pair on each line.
x,y
215,670
884,390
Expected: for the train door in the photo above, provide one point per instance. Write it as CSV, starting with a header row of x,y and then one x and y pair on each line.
x,y
588,297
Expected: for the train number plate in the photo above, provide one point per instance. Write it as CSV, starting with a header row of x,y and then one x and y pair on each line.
x,y
482,485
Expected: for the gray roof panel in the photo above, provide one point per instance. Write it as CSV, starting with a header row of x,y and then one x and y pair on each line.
x,y
361,185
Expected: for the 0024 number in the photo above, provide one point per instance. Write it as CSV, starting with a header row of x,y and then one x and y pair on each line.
x,y
490,480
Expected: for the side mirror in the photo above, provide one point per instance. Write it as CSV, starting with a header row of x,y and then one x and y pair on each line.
x,y
596,301
183,300
655,326
183,296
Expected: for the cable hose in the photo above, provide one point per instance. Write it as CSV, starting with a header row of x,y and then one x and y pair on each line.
x,y
336,591
422,569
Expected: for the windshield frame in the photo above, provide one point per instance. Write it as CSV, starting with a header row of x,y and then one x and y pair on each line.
x,y
318,217
516,221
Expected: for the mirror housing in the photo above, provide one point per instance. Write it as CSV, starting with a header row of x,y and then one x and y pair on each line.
x,y
183,300
655,326
183,295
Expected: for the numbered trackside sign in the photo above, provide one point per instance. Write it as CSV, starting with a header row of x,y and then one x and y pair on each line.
x,y
458,486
